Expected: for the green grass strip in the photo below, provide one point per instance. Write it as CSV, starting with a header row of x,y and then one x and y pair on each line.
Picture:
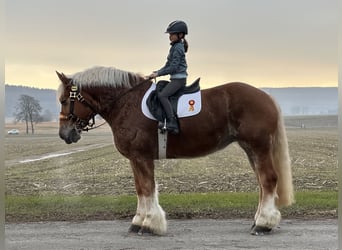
x,y
189,205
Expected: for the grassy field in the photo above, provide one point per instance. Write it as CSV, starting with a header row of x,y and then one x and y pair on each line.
x,y
92,172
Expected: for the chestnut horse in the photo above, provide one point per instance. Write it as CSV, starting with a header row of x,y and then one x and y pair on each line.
x,y
233,112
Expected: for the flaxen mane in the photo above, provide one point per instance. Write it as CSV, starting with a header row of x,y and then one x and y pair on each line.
x,y
105,76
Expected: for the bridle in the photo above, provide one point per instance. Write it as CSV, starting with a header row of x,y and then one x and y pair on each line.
x,y
82,124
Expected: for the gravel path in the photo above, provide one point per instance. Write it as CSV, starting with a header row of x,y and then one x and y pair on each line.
x,y
182,234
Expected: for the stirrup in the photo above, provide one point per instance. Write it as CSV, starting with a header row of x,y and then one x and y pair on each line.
x,y
162,127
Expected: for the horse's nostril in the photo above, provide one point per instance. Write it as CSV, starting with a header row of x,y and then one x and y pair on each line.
x,y
74,135
73,132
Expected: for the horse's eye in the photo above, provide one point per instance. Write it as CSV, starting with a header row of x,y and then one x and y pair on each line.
x,y
63,102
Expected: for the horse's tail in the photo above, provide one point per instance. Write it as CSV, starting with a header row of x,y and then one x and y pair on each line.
x,y
282,164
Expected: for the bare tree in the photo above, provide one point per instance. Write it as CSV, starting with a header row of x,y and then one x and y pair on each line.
x,y
28,110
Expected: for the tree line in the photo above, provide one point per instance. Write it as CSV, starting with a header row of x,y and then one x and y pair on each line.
x,y
28,110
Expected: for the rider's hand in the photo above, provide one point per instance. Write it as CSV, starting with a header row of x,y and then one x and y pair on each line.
x,y
153,75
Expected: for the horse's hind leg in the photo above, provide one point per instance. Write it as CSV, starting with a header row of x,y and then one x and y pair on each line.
x,y
268,215
149,217
252,160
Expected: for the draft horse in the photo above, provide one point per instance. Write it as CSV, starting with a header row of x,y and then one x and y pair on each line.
x,y
233,112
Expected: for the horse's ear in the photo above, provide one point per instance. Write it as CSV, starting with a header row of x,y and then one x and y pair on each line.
x,y
63,78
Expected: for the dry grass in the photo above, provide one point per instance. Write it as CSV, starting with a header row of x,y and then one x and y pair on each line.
x,y
100,169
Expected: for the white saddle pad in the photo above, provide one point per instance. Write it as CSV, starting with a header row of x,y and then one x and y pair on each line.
x,y
188,104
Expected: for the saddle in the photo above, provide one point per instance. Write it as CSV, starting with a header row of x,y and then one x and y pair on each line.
x,y
155,106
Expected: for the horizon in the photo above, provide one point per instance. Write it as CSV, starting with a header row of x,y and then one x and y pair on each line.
x,y
292,100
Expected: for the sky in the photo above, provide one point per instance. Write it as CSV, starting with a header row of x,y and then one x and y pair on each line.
x,y
266,43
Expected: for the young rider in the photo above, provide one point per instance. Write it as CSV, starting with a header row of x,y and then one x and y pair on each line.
x,y
176,67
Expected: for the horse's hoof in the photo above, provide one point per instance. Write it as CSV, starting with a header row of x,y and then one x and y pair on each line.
x,y
134,229
260,230
145,231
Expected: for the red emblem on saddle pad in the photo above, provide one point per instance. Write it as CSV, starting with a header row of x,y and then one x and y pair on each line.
x,y
191,103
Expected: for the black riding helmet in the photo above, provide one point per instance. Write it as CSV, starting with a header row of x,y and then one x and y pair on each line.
x,y
177,27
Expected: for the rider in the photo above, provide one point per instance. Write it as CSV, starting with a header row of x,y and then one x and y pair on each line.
x,y
176,67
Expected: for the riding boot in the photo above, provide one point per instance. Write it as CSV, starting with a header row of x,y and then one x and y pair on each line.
x,y
172,125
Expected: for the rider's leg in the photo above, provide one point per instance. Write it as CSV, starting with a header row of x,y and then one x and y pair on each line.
x,y
169,90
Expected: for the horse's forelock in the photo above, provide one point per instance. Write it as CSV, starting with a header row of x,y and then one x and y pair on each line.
x,y
105,76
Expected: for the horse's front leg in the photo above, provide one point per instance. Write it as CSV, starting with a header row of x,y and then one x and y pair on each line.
x,y
149,217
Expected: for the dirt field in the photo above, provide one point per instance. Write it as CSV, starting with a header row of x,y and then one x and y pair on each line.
x,y
42,164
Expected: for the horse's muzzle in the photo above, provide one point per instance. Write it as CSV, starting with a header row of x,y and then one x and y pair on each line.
x,y
70,135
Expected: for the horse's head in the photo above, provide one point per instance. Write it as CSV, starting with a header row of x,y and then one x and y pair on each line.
x,y
76,112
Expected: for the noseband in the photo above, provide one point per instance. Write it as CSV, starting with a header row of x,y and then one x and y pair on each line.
x,y
81,124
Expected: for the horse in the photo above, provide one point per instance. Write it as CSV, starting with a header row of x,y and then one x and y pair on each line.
x,y
231,112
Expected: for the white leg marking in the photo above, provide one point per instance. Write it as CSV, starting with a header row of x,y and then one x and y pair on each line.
x,y
141,211
257,212
269,216
155,215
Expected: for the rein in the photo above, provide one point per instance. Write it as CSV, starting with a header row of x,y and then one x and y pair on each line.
x,y
82,124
